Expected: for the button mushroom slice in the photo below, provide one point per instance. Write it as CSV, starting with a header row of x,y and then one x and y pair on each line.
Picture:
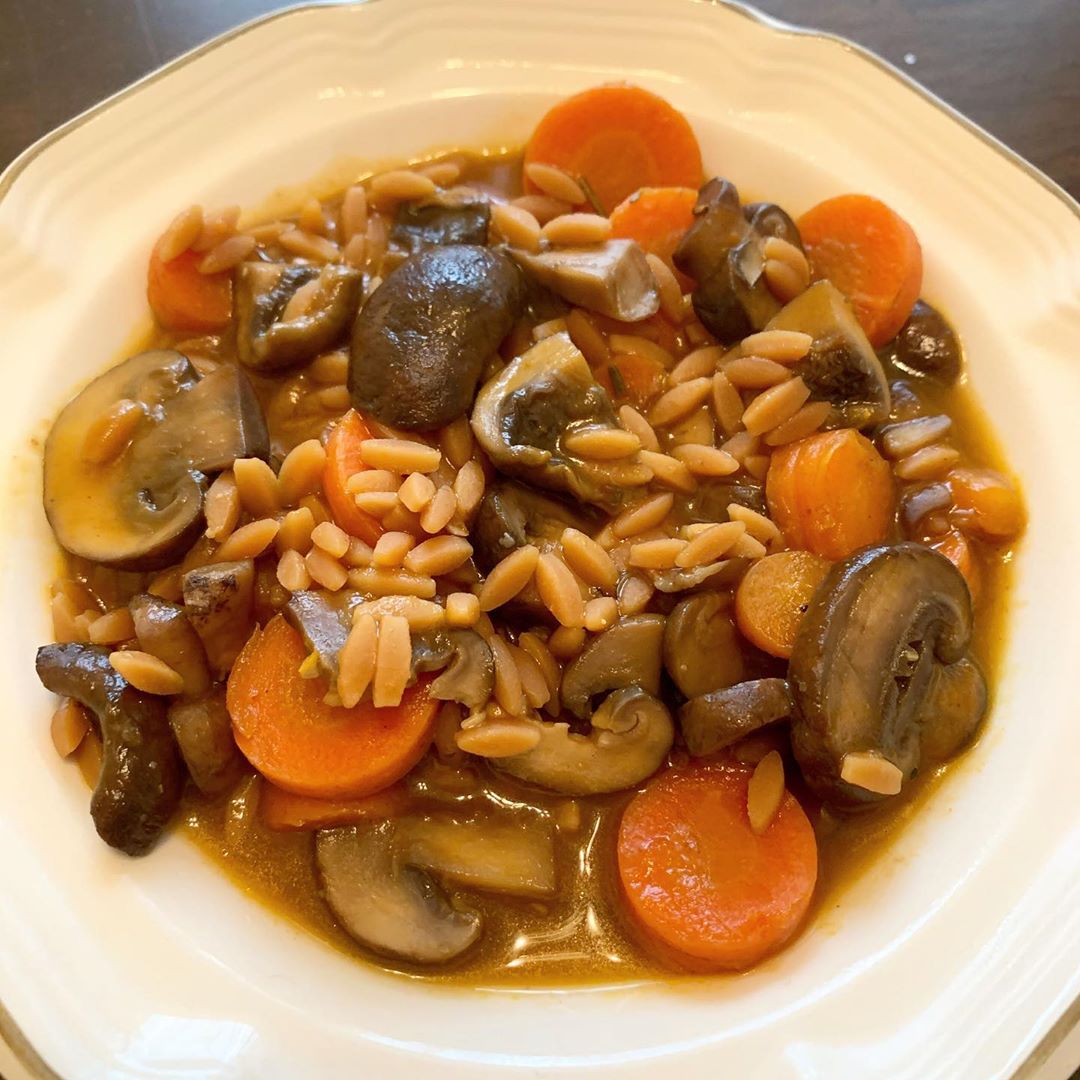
x,y
717,575
421,340
631,733
723,252
627,654
141,776
955,704
141,508
701,644
611,279
203,732
521,416
841,367
470,668
864,659
720,718
267,342
392,908
219,600
324,627
164,630
511,854
445,221
926,347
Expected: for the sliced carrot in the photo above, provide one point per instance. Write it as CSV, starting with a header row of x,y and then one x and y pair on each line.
x,y
871,254
987,504
831,493
958,549
342,461
282,809
772,598
183,299
701,881
297,741
631,379
617,138
657,218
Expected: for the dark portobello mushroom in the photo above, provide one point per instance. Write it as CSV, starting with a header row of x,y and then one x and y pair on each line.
x,y
720,718
421,340
143,509
203,731
422,225
701,644
926,347
141,775
881,630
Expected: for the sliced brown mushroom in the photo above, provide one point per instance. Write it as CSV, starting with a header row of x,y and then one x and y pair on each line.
x,y
841,367
612,278
324,626
720,718
164,630
421,340
926,347
268,337
219,600
392,908
866,656
141,776
444,221
722,252
521,416
627,654
470,668
701,644
631,733
141,507
203,732
954,707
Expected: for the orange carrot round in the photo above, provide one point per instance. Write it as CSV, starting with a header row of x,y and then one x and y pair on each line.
x,y
297,741
183,299
831,493
957,548
871,254
281,809
701,881
772,597
987,504
342,461
657,218
617,138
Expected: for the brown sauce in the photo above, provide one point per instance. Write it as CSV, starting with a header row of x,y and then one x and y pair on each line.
x,y
583,934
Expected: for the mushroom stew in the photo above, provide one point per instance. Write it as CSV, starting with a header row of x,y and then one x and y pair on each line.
x,y
531,568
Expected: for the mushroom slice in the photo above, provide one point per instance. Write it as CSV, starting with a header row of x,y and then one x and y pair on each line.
x,y
506,854
955,704
203,732
521,416
422,225
701,644
141,509
141,777
421,340
612,278
716,575
164,630
841,367
627,654
324,627
720,718
267,342
470,676
631,733
927,347
219,600
864,660
392,908
722,252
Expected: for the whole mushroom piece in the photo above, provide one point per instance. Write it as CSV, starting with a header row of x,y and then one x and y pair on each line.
x,y
141,775
880,630
421,340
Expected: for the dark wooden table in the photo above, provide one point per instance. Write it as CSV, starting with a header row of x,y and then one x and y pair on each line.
x,y
1011,65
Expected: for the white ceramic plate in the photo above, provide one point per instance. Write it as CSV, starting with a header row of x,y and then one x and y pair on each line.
x,y
952,958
